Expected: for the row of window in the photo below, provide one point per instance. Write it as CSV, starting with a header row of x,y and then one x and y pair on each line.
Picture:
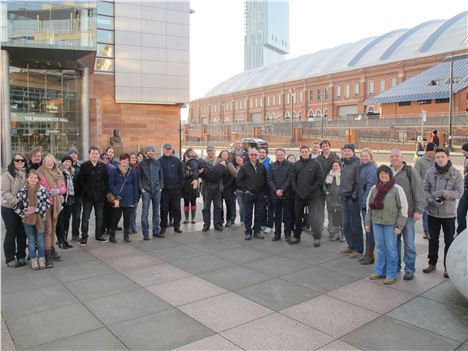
x,y
425,102
105,37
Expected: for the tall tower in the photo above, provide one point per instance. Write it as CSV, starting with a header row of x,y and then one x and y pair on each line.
x,y
266,38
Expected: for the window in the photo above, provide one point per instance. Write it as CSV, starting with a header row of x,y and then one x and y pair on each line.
x,y
381,85
245,104
279,99
338,91
287,99
105,50
325,93
442,101
393,82
370,87
301,97
319,95
105,8
404,103
104,22
294,97
273,100
105,36
311,95
424,102
268,101
256,102
250,103
347,90
319,113
356,89
325,113
103,64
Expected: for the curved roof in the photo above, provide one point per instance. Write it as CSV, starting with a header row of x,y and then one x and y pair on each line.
x,y
426,39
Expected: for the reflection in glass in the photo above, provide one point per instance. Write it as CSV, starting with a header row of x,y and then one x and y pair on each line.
x,y
103,64
105,36
104,22
105,50
105,8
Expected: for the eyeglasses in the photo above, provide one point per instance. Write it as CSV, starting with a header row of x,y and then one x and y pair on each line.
x,y
18,160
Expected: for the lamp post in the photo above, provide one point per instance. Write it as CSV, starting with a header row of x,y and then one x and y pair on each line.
x,y
321,117
292,93
450,147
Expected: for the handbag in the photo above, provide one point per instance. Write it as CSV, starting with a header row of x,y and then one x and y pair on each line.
x,y
111,197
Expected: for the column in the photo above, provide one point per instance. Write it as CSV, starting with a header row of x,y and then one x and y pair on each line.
x,y
5,120
85,111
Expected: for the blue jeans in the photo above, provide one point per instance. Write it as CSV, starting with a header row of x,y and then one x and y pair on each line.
x,y
351,221
370,235
386,245
35,239
425,222
155,199
133,226
409,257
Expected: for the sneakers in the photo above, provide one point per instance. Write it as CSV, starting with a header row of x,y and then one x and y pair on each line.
x,y
388,281
259,236
101,239
295,241
113,240
346,251
84,241
205,228
426,235
267,230
42,262
374,276
408,276
21,262
34,264
430,268
316,242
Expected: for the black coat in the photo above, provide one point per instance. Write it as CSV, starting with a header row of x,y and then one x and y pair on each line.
x,y
93,182
349,178
307,178
279,178
172,171
249,179
190,168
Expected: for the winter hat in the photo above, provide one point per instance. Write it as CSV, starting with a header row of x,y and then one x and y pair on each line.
x,y
465,147
149,147
349,146
72,150
430,146
67,158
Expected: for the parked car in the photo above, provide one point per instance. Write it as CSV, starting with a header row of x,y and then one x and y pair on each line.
x,y
248,143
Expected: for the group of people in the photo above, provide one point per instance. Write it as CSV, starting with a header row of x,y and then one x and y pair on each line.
x,y
40,197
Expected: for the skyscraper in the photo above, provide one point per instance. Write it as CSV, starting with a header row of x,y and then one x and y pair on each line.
x,y
266,38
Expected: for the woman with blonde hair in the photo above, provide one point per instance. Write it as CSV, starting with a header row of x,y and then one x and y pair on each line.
x,y
53,181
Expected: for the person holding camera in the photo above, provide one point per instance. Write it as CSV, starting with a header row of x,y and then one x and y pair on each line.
x,y
443,185
123,183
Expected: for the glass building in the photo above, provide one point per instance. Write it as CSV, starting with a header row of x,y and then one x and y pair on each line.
x,y
47,49
266,38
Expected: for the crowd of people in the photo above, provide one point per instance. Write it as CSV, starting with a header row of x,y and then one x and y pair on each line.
x,y
370,208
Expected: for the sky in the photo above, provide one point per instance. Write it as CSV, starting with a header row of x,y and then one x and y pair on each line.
x,y
217,30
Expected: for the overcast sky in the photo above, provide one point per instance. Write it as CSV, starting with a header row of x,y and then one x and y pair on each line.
x,y
217,30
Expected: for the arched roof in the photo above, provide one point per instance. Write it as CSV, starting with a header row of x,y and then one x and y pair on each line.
x,y
426,39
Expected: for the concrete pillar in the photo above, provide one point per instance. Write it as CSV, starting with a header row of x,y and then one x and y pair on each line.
x,y
85,111
5,108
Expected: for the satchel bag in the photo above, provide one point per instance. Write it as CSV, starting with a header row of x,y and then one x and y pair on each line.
x,y
114,199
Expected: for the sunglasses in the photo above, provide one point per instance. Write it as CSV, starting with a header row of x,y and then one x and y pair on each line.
x,y
18,160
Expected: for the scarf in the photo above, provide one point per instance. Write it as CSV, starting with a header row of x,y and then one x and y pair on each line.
x,y
331,175
123,169
55,180
445,169
382,190
33,219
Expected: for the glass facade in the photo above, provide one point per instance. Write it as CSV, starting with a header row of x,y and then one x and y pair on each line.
x,y
51,24
45,109
105,37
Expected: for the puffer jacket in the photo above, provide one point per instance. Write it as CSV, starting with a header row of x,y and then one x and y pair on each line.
x,y
332,194
451,183
307,178
43,201
366,179
394,211
10,187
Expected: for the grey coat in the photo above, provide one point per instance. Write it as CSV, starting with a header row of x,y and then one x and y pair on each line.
x,y
422,165
451,186
413,190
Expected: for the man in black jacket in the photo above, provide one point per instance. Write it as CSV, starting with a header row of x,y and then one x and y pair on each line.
x,y
212,175
279,183
173,175
93,181
307,180
252,180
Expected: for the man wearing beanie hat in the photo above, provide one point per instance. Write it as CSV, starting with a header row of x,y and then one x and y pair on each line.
x,y
421,166
151,180
78,203
463,203
351,211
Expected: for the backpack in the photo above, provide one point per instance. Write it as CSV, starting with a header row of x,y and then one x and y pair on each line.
x,y
409,172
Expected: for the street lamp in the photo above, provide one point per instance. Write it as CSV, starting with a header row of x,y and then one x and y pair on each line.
x,y
292,93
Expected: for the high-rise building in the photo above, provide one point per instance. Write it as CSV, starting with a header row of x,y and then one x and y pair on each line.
x,y
75,70
266,39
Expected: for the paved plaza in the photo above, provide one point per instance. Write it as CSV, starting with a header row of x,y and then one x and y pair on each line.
x,y
216,291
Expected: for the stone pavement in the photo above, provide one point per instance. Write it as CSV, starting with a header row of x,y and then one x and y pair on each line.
x,y
216,291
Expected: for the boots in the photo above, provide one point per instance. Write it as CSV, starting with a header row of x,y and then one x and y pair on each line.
x,y
49,259
368,257
34,264
112,237
65,241
127,236
61,242
55,255
42,262
193,209
186,213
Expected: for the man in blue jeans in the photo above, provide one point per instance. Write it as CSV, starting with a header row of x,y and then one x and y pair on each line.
x,y
151,180
409,180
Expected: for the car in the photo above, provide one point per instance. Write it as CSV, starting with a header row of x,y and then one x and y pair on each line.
x,y
248,143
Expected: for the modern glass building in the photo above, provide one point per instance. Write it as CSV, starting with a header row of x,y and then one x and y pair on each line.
x,y
71,69
266,38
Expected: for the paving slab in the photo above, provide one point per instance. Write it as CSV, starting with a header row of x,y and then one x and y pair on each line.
x,y
387,333
102,285
129,262
319,279
329,315
7,343
420,283
235,277
81,271
203,264
448,294
34,300
74,256
211,246
121,307
184,291
225,311
160,331
215,342
277,294
337,345
111,250
439,318
153,275
45,326
312,257
377,298
277,266
177,253
276,332
349,266
100,339
23,278
242,255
